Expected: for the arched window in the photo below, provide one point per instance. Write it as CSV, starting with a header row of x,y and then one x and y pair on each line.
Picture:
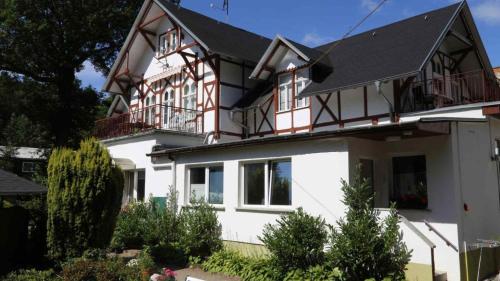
x,y
168,108
189,97
147,111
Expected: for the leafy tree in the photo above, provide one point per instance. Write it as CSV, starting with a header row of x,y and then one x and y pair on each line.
x,y
365,246
297,240
47,41
84,198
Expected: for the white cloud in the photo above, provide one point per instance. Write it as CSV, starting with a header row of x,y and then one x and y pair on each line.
x,y
369,4
487,11
313,39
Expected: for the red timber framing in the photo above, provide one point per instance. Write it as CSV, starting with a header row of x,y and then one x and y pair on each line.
x,y
125,80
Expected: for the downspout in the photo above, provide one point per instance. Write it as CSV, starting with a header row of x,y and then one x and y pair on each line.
x,y
205,140
378,85
231,117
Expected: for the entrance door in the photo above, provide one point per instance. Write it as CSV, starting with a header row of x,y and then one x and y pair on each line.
x,y
367,173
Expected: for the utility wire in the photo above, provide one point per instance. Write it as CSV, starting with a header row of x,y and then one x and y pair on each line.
x,y
351,30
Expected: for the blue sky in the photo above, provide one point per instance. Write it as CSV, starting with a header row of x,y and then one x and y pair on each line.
x,y
314,22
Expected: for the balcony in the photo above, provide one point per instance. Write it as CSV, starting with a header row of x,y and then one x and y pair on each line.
x,y
449,90
150,118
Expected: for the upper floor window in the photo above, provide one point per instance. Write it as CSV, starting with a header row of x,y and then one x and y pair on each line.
x,y
168,42
296,81
267,183
189,96
285,92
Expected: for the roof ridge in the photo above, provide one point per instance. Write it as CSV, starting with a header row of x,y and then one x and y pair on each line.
x,y
319,47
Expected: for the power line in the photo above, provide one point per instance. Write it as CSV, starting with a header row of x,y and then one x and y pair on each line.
x,y
351,30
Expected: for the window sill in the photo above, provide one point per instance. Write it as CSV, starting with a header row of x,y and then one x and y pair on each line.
x,y
404,210
265,209
216,207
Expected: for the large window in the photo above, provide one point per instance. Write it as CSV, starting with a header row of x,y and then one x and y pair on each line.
x,y
290,84
207,183
189,96
267,183
168,42
409,182
168,108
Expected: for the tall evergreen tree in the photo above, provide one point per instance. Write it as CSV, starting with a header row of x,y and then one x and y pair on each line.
x,y
47,41
84,199
364,246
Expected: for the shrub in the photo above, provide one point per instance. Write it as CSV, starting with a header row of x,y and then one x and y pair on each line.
x,y
200,230
100,270
84,198
318,272
364,246
32,275
297,240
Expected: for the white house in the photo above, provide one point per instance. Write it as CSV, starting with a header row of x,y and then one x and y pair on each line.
x,y
259,127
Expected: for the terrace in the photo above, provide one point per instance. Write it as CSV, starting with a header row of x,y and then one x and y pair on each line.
x,y
156,117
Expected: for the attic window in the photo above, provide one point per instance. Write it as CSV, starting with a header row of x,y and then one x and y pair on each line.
x,y
168,42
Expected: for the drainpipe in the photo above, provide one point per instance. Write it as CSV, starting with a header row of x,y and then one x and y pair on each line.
x,y
231,117
211,133
378,86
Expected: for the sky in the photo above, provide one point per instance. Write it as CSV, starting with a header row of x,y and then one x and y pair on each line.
x,y
315,22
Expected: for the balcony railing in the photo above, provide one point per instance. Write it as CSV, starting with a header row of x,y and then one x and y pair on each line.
x,y
149,118
450,90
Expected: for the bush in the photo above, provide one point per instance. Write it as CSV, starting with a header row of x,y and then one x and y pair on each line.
x,y
200,229
100,270
297,241
32,275
318,272
364,246
84,198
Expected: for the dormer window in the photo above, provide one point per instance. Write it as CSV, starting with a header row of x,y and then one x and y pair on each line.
x,y
168,42
285,92
288,81
301,78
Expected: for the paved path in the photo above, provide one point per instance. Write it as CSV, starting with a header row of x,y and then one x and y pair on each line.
x,y
199,273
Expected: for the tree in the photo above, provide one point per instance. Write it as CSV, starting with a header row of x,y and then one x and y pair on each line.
x,y
365,246
47,41
84,199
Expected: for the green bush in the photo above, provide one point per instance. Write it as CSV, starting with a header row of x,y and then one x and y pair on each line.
x,y
297,241
84,198
200,230
318,272
100,270
364,246
32,275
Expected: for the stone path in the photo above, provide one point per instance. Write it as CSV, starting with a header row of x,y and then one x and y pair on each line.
x,y
199,273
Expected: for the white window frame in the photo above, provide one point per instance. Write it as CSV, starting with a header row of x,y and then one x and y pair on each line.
x,y
287,105
168,42
267,185
303,102
190,96
168,105
207,182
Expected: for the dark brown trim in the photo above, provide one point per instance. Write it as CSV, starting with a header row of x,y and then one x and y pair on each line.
x,y
233,85
365,100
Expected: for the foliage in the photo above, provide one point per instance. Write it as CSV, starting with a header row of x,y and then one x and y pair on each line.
x,y
364,246
37,226
318,272
84,198
200,229
145,260
141,224
32,275
100,270
297,240
46,41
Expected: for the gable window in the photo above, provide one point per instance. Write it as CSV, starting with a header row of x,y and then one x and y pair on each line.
x,y
301,79
28,167
285,92
267,183
168,42
409,182
207,184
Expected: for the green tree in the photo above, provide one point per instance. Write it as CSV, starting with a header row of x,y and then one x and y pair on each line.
x,y
47,41
365,246
83,200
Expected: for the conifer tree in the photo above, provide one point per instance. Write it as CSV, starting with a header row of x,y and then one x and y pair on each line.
x,y
363,245
84,198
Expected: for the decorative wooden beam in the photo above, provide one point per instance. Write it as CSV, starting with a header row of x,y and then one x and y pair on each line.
x,y
153,47
460,37
143,24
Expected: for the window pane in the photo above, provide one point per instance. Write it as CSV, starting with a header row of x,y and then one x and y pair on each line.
x,y
284,96
141,185
197,184
215,185
281,182
410,182
254,184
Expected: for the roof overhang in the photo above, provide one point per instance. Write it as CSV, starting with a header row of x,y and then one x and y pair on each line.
x,y
413,129
270,52
116,100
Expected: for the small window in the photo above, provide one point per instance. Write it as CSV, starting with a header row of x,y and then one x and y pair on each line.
x,y
189,96
168,42
141,185
409,182
207,183
285,92
301,80
268,183
28,167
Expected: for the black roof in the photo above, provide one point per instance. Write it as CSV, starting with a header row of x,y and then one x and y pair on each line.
x,y
12,184
220,37
390,51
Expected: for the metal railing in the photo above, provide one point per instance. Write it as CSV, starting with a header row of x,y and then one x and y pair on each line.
x,y
449,90
150,118
448,243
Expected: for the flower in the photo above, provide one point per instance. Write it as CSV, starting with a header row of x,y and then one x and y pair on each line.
x,y
133,262
168,272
